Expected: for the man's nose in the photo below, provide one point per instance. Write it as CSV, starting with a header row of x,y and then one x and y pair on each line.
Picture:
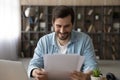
x,y
62,29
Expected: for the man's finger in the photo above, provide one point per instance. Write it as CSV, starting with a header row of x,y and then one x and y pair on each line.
x,y
40,71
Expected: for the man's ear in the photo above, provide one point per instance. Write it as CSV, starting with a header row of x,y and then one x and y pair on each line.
x,y
52,26
52,23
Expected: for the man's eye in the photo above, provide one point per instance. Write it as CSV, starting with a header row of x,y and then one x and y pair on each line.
x,y
58,26
67,26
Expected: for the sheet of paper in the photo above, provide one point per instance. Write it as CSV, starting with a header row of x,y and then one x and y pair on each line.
x,y
60,65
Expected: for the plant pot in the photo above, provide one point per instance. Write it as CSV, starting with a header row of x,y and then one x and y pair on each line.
x,y
95,78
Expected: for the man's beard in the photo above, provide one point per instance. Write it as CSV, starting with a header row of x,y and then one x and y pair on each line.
x,y
63,36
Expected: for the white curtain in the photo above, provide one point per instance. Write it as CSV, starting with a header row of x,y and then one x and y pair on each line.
x,y
9,28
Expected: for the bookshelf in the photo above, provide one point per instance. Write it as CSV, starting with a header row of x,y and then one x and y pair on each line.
x,y
102,23
33,24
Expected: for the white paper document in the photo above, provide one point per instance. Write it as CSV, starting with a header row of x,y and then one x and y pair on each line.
x,y
62,64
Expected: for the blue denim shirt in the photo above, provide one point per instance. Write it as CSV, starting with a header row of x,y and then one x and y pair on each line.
x,y
80,43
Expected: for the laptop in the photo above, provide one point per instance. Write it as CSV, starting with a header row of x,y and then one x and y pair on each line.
x,y
59,65
12,70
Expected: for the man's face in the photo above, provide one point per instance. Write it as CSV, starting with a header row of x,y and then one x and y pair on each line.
x,y
63,27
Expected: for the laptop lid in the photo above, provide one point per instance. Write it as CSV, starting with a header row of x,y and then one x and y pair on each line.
x,y
12,70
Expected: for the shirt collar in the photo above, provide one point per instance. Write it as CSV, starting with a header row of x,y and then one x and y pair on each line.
x,y
73,36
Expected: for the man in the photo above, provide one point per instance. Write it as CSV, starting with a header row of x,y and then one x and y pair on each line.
x,y
65,41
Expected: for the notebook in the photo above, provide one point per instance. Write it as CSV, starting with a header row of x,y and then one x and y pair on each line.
x,y
12,70
62,64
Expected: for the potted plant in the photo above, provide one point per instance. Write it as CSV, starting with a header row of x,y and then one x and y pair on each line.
x,y
96,75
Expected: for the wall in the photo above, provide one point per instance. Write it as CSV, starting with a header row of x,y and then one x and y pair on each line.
x,y
70,2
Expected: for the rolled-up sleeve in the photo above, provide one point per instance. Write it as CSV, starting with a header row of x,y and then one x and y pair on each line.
x,y
90,62
37,60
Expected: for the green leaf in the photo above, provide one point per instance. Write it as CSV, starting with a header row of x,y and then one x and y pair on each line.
x,y
96,72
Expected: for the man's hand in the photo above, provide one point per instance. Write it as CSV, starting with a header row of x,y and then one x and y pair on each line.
x,y
39,74
79,76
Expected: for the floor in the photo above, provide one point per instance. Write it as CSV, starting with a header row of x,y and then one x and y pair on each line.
x,y
105,66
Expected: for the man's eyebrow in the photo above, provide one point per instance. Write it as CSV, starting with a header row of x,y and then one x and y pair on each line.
x,y
58,24
67,25
64,25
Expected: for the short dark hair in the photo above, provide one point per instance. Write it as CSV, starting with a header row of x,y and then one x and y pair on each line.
x,y
61,12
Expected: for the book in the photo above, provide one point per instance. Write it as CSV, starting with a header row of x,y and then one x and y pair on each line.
x,y
91,28
109,29
36,20
41,16
113,48
27,28
113,57
22,54
36,28
90,12
109,11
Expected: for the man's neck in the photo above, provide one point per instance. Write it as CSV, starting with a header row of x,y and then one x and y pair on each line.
x,y
63,42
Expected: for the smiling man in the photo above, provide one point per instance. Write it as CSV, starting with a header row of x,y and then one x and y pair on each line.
x,y
64,40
